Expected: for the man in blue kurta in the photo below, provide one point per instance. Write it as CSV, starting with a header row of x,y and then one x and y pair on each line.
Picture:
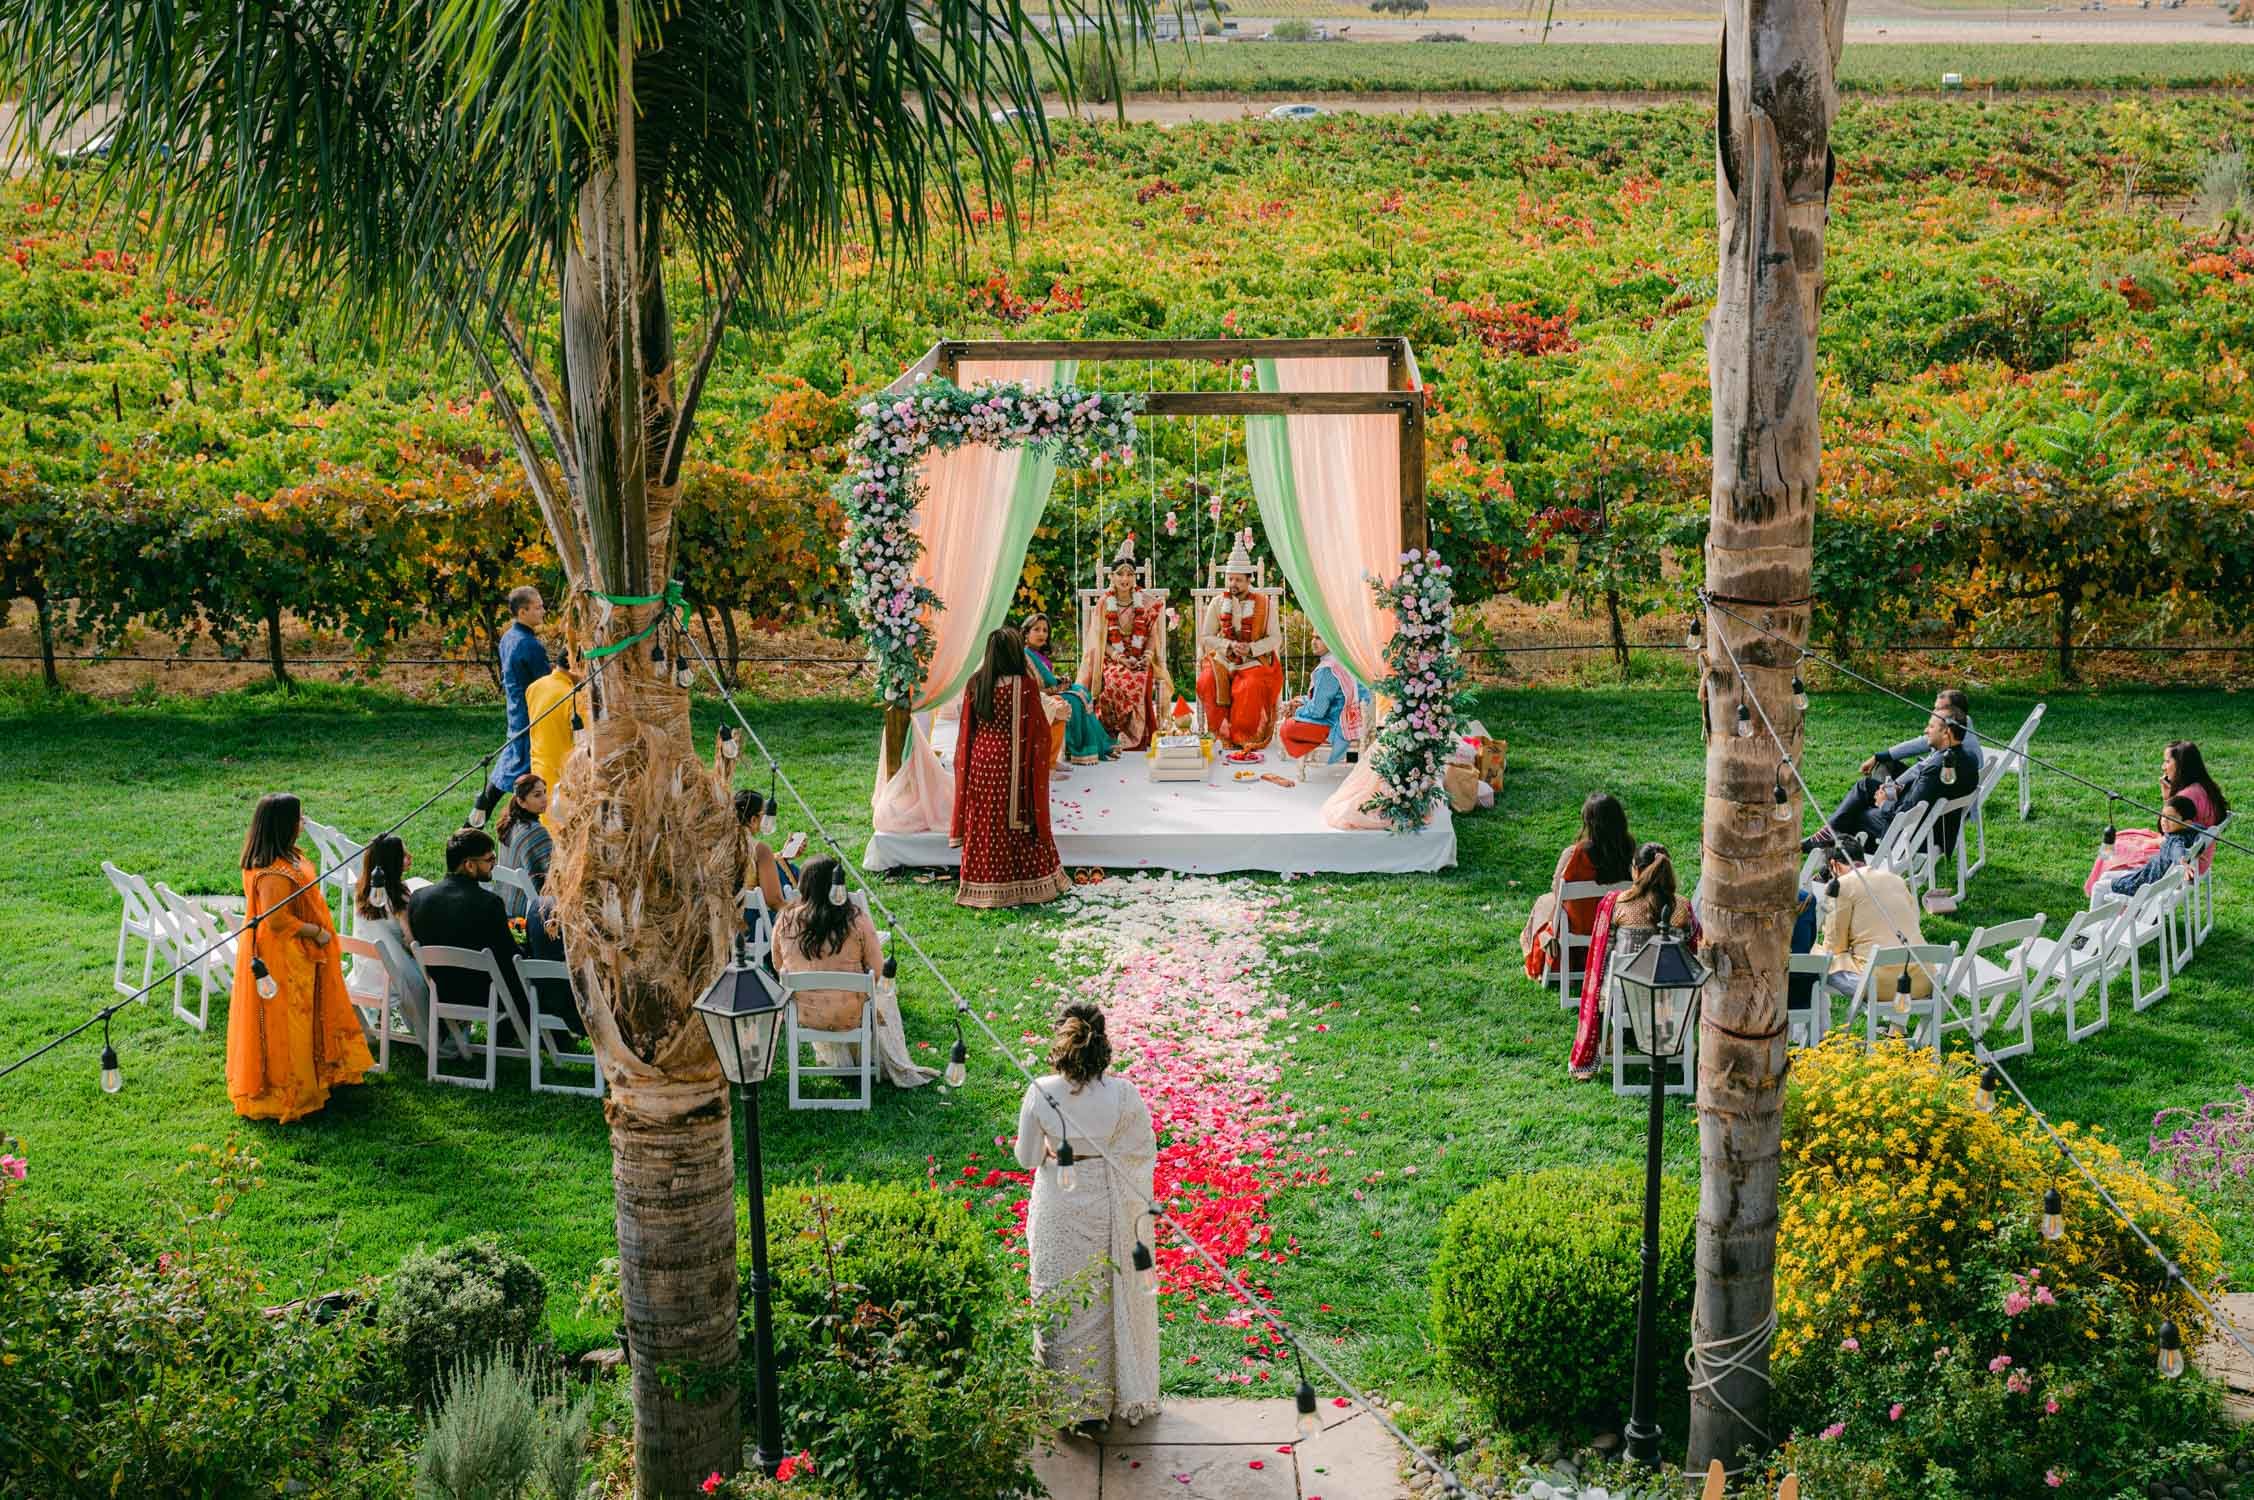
x,y
524,661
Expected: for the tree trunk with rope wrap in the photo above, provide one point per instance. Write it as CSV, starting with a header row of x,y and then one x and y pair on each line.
x,y
1772,181
648,858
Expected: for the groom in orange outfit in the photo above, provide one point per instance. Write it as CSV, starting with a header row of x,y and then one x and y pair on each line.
x,y
1239,678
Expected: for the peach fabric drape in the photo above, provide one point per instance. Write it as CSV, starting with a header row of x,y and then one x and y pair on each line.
x,y
965,518
1339,521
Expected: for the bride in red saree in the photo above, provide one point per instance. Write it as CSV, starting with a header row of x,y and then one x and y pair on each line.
x,y
1124,659
1002,785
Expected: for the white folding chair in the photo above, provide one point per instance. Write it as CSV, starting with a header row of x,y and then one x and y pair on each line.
x,y
142,917
1567,975
1903,843
2151,918
200,946
1806,1021
2062,971
2013,757
513,880
1932,856
1927,1018
338,860
2197,911
1679,1074
1999,991
1972,839
863,1037
368,984
458,1019
546,1029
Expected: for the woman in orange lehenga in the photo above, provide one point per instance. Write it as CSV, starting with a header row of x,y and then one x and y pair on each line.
x,y
284,1054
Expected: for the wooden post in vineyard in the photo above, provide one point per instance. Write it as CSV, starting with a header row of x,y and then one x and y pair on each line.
x,y
1772,180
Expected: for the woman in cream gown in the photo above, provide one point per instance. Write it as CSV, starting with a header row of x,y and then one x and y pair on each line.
x,y
1103,1334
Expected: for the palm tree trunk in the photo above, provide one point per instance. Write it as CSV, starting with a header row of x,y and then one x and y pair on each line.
x,y
647,869
1773,176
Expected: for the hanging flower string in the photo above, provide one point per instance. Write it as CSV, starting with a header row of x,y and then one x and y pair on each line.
x,y
1076,429
1419,733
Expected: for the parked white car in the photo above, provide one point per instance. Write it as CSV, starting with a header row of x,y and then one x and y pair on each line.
x,y
1296,112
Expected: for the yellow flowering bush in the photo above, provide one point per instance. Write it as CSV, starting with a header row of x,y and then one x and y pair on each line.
x,y
1896,1192
1929,1334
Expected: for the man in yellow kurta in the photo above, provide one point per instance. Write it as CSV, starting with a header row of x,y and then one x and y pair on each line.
x,y
1239,676
551,733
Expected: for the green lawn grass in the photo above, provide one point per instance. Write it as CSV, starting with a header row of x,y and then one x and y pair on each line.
x,y
1512,67
164,787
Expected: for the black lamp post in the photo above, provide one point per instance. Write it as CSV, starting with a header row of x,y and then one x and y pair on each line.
x,y
1659,984
741,1011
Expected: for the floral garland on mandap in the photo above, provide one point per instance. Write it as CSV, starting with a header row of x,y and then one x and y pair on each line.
x,y
1077,429
1419,735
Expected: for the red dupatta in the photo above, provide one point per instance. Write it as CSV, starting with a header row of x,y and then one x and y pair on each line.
x,y
1028,728
1590,1032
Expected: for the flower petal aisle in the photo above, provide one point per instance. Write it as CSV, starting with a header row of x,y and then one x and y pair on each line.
x,y
1186,971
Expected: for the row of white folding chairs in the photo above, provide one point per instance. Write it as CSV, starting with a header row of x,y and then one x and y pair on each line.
x,y
190,940
759,922
1992,986
475,1027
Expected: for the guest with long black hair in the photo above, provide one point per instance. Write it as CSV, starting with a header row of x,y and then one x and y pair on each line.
x,y
823,930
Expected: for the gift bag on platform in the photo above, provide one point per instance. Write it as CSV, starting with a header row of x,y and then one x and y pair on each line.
x,y
1462,786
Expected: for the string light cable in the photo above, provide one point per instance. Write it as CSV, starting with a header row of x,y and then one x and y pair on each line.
x,y
1995,1072
2027,755
1066,1153
101,1017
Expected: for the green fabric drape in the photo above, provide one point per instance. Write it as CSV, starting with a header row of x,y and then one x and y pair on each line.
x,y
1028,499
1267,449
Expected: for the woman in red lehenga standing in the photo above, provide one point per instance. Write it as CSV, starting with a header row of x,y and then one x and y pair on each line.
x,y
1002,785
1125,657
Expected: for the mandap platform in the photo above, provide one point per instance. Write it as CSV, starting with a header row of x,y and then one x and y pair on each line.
x,y
1114,816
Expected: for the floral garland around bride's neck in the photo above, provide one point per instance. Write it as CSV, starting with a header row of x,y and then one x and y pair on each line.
x,y
1419,733
1076,429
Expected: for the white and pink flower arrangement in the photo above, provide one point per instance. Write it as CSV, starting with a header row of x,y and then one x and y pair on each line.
x,y
1076,429
1418,733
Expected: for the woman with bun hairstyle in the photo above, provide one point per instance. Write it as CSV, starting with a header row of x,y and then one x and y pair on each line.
x,y
822,931
1087,1139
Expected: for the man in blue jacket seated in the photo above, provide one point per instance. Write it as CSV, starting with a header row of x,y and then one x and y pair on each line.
x,y
2179,845
1321,715
1946,766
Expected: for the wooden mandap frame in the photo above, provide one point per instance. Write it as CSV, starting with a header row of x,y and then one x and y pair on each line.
x,y
1403,399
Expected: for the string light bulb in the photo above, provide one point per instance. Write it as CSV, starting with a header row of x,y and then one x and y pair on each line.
x,y
2111,833
838,892
1744,722
1310,1421
729,749
684,673
1146,1270
112,1078
1984,1097
1799,693
657,654
267,988
378,898
1067,1179
2054,1214
767,817
578,725
1696,638
1783,811
958,1059
2171,1361
1902,991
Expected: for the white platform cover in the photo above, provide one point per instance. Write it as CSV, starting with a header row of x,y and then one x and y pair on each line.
x,y
1114,816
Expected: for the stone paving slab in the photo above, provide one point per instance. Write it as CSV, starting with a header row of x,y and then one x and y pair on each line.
x,y
1207,1449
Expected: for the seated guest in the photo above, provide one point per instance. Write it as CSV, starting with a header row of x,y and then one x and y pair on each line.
x,y
524,839
459,912
381,902
1625,921
1603,853
774,877
2180,843
1870,807
544,940
1802,986
1872,910
2183,773
816,933
1322,716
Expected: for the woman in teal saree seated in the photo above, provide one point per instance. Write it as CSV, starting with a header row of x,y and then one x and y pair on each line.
x,y
1086,741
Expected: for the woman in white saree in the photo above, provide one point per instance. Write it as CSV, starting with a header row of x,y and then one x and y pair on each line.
x,y
1104,1336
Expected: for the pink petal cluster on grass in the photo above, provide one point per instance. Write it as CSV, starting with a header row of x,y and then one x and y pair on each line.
x,y
1186,977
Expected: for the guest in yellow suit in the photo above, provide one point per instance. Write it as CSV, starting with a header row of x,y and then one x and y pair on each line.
x,y
551,733
285,1051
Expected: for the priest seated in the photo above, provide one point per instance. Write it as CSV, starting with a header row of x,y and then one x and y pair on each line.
x,y
1239,676
1332,712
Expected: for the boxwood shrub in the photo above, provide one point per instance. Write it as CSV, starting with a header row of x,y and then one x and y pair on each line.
x,y
1534,1292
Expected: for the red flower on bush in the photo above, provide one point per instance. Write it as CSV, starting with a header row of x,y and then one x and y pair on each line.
x,y
801,1462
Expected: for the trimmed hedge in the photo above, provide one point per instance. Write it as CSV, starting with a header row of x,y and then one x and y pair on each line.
x,y
1534,1291
461,1303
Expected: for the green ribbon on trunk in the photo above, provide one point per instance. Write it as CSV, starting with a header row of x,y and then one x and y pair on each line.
x,y
672,598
